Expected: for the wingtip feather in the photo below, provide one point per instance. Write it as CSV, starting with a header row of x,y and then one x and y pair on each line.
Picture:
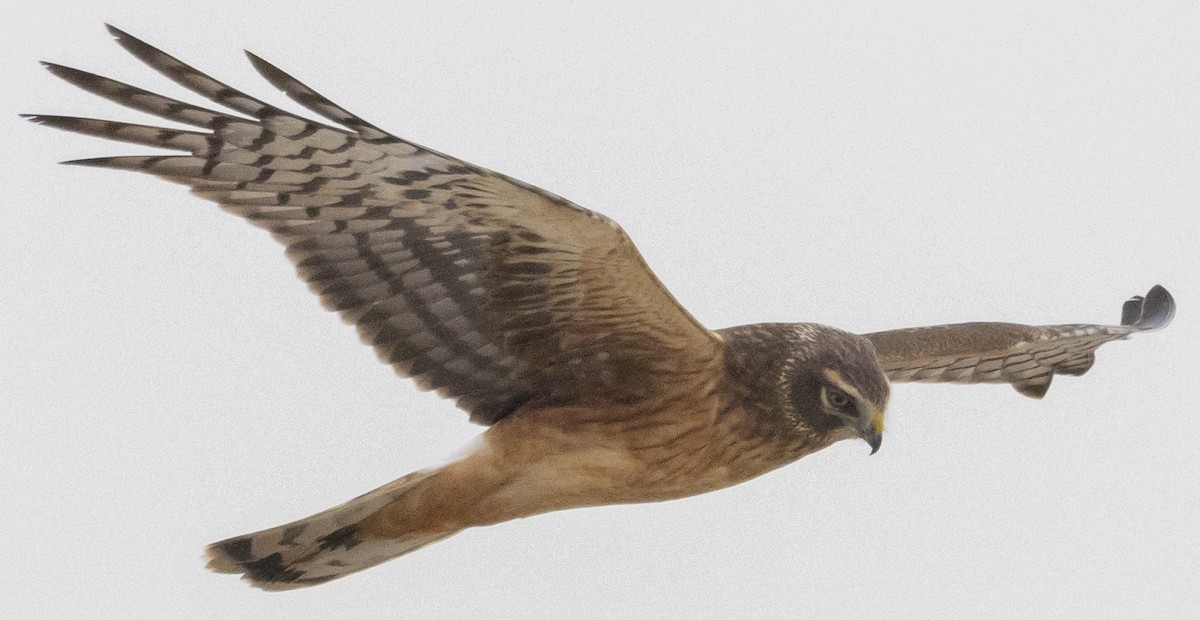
x,y
50,120
276,76
80,78
304,95
137,163
270,72
93,162
54,67
1151,312
128,41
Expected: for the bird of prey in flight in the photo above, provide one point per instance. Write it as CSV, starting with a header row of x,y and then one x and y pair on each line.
x,y
538,318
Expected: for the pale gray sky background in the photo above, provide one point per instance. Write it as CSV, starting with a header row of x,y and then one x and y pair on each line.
x,y
168,382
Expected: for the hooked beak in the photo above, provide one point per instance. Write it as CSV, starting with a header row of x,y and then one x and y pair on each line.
x,y
872,431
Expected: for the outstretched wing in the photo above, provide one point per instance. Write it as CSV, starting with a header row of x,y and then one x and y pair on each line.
x,y
1028,357
491,291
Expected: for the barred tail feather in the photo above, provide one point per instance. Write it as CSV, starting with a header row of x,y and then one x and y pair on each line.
x,y
319,548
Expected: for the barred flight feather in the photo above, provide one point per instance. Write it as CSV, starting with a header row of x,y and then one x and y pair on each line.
x,y
1025,356
486,289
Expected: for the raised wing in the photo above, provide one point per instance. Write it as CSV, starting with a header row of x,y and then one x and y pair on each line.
x,y
1028,357
493,292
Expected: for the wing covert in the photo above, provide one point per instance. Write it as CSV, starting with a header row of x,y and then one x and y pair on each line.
x,y
491,291
1025,356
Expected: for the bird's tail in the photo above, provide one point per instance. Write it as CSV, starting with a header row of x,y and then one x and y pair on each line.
x,y
322,547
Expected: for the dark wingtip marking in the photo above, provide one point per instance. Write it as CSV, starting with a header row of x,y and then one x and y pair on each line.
x,y
134,45
238,550
93,162
271,569
1152,312
64,71
304,95
90,162
117,33
273,74
81,79
58,70
52,120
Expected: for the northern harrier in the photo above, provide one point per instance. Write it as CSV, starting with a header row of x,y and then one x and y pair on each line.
x,y
537,317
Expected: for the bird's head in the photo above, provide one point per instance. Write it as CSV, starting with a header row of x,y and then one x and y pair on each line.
x,y
810,384
833,386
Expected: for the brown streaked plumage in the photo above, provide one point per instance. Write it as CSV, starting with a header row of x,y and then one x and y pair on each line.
x,y
1024,356
537,317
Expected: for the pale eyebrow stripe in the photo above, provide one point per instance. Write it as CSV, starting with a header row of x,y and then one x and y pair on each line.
x,y
837,379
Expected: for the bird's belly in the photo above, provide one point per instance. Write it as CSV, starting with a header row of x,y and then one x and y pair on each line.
x,y
598,477
607,464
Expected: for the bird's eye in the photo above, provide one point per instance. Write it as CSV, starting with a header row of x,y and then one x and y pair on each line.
x,y
837,398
